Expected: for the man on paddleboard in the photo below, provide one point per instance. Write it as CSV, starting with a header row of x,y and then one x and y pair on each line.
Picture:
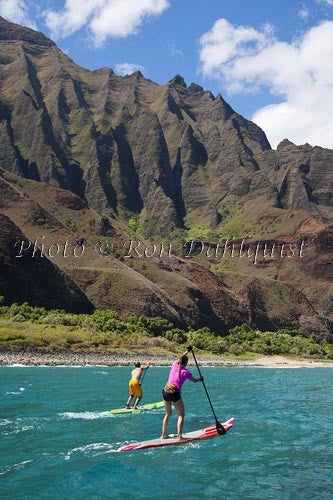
x,y
171,393
135,388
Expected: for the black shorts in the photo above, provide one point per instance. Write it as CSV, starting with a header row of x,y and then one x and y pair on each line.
x,y
171,396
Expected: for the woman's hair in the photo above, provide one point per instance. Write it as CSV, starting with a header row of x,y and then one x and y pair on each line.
x,y
183,360
137,364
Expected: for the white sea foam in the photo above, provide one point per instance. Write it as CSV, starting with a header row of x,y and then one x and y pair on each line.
x,y
17,430
20,390
184,449
92,449
5,421
85,415
9,468
85,365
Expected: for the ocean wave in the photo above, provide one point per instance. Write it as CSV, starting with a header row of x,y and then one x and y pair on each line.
x,y
85,415
5,421
93,449
16,365
10,468
17,430
20,390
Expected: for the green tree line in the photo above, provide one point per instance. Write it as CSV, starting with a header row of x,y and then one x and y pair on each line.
x,y
107,325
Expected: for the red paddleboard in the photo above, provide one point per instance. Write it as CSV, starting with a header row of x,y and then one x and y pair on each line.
x,y
207,433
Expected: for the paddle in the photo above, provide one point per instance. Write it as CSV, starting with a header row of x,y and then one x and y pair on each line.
x,y
219,427
144,374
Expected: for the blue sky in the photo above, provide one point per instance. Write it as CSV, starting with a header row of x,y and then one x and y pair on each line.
x,y
271,60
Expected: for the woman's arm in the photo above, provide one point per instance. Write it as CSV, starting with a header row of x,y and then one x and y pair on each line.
x,y
193,379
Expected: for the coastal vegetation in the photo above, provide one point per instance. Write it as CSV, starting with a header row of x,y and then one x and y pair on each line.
x,y
26,327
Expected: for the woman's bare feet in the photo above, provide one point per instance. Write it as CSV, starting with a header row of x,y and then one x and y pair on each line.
x,y
165,437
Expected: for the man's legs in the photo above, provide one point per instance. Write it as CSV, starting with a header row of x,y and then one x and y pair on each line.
x,y
129,401
138,393
136,403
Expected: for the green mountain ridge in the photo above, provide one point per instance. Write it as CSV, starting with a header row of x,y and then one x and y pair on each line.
x,y
89,154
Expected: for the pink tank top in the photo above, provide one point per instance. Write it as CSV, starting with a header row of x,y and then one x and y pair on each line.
x,y
175,378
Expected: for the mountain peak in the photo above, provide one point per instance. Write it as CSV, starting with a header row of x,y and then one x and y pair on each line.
x,y
177,80
136,74
12,31
285,143
194,87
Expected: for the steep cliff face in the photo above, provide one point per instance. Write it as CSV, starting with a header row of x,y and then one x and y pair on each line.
x,y
303,177
56,222
83,152
33,278
176,288
126,143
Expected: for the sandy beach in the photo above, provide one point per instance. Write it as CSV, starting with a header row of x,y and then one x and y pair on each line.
x,y
68,358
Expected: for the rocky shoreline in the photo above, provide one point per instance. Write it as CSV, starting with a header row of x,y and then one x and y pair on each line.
x,y
69,358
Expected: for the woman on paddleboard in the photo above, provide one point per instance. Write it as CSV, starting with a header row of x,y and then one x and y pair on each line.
x,y
172,394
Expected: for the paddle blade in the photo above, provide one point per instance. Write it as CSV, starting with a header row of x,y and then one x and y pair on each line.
x,y
220,429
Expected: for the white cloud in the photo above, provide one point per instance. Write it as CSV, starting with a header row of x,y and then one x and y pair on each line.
x,y
16,11
174,52
104,18
300,73
304,12
128,68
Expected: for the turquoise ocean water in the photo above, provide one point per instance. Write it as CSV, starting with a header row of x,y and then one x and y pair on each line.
x,y
56,443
